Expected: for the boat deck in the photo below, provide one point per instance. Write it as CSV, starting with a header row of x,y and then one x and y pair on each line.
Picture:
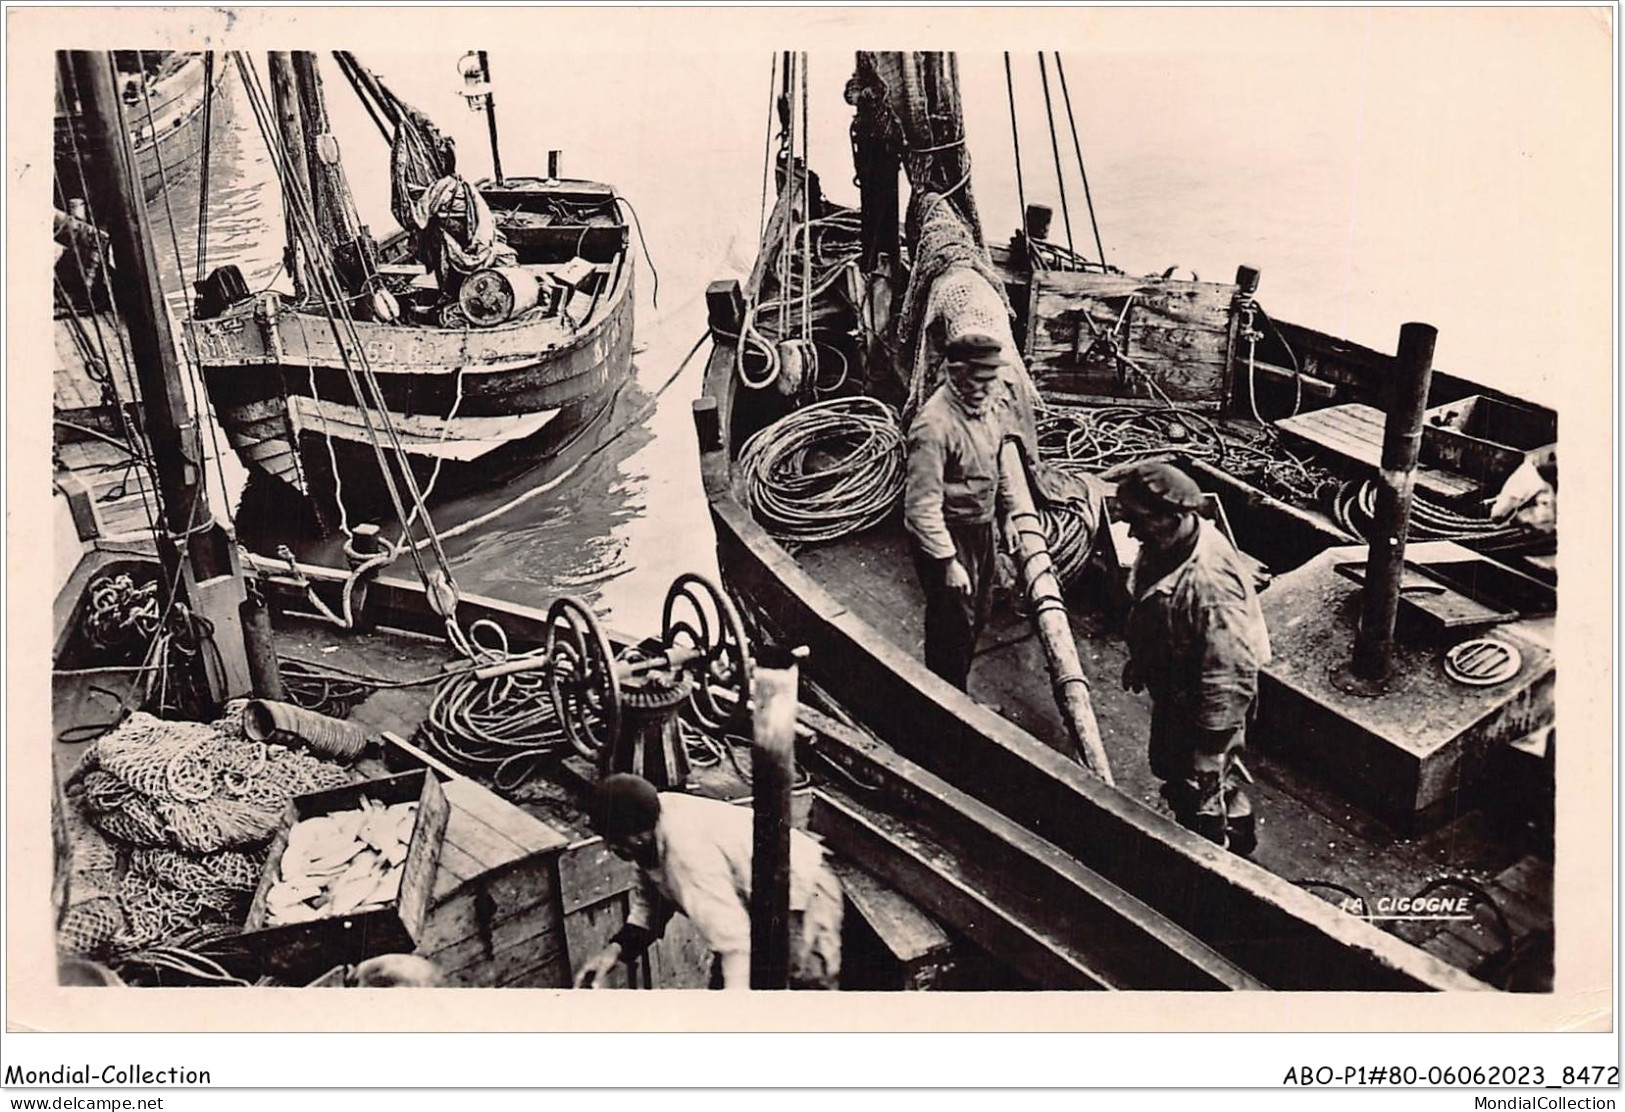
x,y
1305,833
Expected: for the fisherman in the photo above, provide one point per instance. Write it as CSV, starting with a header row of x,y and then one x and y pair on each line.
x,y
1196,638
952,493
81,278
694,856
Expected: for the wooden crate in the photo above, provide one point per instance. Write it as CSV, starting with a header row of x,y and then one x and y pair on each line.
x,y
299,952
1179,333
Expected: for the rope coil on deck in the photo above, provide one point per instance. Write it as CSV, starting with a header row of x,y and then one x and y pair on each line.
x,y
799,497
503,727
1354,509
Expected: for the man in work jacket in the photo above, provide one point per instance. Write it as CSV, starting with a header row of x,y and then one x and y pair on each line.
x,y
694,856
1196,639
952,493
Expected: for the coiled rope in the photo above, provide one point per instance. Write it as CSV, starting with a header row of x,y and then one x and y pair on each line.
x,y
824,471
1096,440
503,728
1355,506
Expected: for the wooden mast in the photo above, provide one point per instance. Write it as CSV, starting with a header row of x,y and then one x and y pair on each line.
x,y
354,253
491,120
296,181
877,161
198,554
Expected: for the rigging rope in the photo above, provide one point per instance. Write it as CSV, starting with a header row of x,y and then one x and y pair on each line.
x,y
1015,138
1055,149
767,142
188,351
203,169
1078,150
442,590
807,214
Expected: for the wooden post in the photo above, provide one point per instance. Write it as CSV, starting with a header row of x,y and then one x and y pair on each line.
x,y
296,183
491,120
260,646
198,555
707,423
1401,443
773,762
1049,615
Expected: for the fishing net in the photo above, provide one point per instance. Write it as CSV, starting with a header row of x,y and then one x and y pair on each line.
x,y
89,928
952,283
455,231
190,806
90,917
921,88
166,893
192,786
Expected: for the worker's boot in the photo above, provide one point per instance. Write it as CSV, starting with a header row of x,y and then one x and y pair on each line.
x,y
1179,794
1239,820
1206,814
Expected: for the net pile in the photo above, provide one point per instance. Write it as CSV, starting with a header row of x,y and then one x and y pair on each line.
x,y
192,786
188,807
92,917
952,280
166,893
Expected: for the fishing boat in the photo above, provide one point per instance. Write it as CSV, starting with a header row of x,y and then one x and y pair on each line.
x,y
1383,772
492,328
375,689
177,104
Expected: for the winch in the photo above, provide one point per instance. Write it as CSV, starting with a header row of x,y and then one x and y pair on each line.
x,y
621,711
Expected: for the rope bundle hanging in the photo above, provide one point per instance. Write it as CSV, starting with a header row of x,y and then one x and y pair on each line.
x,y
809,266
825,471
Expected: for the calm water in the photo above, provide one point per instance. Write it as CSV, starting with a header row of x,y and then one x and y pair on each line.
x,y
1370,189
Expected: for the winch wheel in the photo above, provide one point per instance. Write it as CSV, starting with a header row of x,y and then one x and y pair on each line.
x,y
581,679
700,617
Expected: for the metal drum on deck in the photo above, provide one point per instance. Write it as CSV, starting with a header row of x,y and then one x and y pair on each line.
x,y
498,294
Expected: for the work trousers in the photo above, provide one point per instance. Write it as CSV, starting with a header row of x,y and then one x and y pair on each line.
x,y
815,937
1202,784
952,621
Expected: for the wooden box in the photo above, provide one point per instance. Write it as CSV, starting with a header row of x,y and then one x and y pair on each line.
x,y
1178,333
1485,438
296,953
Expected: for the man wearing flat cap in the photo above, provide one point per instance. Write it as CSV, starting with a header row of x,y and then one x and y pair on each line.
x,y
694,856
1196,639
952,495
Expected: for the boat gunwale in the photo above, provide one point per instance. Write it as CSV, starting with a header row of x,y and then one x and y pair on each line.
x,y
616,302
733,522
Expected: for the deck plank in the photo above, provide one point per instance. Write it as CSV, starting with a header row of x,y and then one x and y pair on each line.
x,y
1355,432
1305,831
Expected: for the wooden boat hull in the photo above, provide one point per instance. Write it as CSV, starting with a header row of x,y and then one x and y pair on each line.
x,y
169,147
1285,936
469,400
